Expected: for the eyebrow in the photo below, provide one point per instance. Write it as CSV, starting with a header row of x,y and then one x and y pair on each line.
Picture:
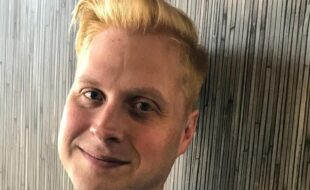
x,y
88,80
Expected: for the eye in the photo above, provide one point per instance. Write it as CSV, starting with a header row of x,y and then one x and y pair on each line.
x,y
93,95
143,107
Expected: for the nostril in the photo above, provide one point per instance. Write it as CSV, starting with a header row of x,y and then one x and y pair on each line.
x,y
113,140
106,135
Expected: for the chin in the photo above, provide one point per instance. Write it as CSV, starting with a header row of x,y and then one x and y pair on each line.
x,y
86,183
85,178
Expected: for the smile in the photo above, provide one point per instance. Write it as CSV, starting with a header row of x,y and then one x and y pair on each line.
x,y
103,161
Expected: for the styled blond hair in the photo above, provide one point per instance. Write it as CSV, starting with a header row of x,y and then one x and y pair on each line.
x,y
145,16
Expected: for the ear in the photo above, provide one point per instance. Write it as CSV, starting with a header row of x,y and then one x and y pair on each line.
x,y
188,131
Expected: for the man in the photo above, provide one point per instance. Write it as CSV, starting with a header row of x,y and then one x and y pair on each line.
x,y
131,109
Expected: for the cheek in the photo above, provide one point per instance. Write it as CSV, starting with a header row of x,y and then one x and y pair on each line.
x,y
157,144
73,123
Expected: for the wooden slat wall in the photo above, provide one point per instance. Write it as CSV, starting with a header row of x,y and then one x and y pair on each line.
x,y
37,67
254,129
255,124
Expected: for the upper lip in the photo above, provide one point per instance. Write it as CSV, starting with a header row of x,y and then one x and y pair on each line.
x,y
103,157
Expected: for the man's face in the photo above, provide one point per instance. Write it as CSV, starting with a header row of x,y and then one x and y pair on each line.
x,y
124,122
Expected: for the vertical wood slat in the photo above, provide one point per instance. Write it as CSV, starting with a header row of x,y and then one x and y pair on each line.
x,y
254,129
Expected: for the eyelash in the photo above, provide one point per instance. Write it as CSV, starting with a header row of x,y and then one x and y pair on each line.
x,y
136,112
135,104
150,105
90,99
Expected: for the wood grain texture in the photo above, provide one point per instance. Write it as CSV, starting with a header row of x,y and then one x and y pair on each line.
x,y
254,126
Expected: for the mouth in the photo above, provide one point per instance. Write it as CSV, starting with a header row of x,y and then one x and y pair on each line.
x,y
103,161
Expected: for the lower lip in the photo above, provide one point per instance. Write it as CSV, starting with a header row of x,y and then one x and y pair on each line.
x,y
101,163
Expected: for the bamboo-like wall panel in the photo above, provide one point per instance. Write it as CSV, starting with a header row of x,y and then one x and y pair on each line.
x,y
254,129
37,67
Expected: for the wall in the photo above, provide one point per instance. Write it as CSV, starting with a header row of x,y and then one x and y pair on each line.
x,y
37,66
254,129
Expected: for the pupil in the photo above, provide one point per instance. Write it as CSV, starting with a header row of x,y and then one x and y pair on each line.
x,y
93,95
144,107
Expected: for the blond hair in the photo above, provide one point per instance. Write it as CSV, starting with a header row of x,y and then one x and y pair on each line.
x,y
145,16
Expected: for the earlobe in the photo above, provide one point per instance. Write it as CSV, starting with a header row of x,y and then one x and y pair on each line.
x,y
188,131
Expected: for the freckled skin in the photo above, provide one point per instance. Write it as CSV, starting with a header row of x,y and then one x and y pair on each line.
x,y
123,124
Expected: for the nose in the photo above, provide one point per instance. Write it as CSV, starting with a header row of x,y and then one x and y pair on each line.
x,y
108,125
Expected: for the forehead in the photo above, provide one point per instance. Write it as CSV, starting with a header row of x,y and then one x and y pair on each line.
x,y
117,51
148,44
123,60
